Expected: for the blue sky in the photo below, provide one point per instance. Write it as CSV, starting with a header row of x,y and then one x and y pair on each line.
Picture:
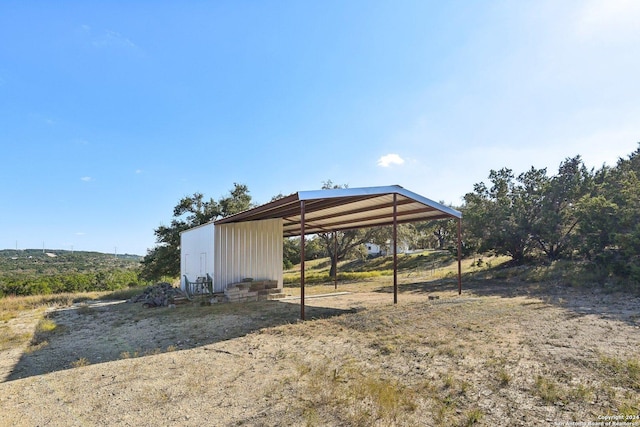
x,y
111,112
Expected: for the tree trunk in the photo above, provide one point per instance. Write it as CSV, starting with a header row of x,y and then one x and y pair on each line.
x,y
334,267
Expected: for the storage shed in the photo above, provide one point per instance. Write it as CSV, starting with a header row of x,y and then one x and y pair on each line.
x,y
231,253
249,244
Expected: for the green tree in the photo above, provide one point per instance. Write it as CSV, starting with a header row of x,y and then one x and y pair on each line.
x,y
164,259
597,217
530,215
290,252
554,211
619,218
438,234
347,241
494,217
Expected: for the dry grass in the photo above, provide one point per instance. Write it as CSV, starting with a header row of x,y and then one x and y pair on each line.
x,y
10,339
503,353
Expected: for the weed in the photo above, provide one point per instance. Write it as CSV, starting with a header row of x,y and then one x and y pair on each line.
x,y
311,417
152,352
365,397
473,416
383,348
448,381
464,387
303,368
547,390
83,361
630,404
386,396
36,346
581,393
504,377
46,325
623,372
129,355
5,316
10,339
446,351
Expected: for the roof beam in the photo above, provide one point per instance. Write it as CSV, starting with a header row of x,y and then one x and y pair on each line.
x,y
289,231
332,225
385,205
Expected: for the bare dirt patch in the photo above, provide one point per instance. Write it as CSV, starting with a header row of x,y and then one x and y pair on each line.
x,y
499,354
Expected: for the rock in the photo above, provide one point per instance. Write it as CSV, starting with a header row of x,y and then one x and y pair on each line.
x,y
161,294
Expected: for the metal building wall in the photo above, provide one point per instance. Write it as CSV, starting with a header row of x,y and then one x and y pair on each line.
x,y
248,249
196,252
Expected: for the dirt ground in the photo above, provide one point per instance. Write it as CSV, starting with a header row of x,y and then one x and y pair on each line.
x,y
499,354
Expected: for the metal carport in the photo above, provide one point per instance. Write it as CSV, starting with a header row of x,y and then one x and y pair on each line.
x,y
319,211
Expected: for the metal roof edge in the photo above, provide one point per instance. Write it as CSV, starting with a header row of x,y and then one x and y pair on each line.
x,y
346,192
260,208
429,202
365,191
198,226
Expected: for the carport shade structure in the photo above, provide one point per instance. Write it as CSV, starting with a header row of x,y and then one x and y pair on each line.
x,y
321,211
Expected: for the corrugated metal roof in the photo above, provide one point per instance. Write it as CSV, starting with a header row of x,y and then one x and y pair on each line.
x,y
345,209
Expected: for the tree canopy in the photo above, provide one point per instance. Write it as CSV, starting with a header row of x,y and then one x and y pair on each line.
x,y
575,214
164,259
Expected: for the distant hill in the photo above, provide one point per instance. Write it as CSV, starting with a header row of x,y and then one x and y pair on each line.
x,y
37,261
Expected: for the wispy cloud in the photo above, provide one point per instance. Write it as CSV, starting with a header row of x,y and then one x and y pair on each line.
x,y
86,179
390,159
113,39
105,39
80,233
138,171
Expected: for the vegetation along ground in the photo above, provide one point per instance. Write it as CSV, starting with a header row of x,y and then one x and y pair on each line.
x,y
520,346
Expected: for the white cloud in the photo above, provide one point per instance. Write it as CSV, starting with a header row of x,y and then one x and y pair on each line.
x,y
138,171
86,178
390,159
80,233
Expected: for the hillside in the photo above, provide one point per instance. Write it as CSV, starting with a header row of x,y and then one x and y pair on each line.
x,y
36,261
33,271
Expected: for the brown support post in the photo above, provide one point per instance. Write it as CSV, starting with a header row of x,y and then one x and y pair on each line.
x,y
335,259
395,248
302,259
459,256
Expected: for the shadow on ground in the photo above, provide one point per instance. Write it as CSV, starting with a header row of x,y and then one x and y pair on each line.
x,y
581,299
97,333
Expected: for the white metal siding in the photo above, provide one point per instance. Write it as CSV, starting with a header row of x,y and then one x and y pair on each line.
x,y
248,249
196,253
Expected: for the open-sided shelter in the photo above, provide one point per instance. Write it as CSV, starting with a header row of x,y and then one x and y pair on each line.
x,y
249,244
